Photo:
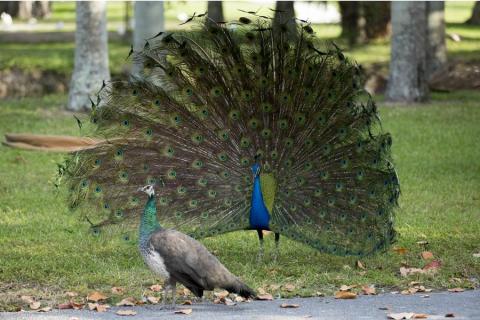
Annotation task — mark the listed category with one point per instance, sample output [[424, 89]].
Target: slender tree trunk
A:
[[436, 46], [215, 11], [352, 21], [91, 54], [408, 77], [377, 18], [475, 18], [41, 9], [284, 18], [149, 21], [25, 9]]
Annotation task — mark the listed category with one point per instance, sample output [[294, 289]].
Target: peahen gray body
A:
[[177, 257], [249, 130]]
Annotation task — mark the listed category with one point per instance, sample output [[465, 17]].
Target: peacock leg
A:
[[277, 250], [260, 250]]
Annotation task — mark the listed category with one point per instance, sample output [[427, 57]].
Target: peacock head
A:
[[256, 170], [148, 189]]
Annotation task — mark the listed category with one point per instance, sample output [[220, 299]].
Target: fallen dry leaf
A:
[[125, 313], [186, 292], [221, 294], [360, 265], [289, 287], [420, 316], [96, 296], [266, 296], [187, 303], [401, 316], [404, 271], [344, 287], [261, 291], [76, 305], [400, 250], [476, 255], [422, 243], [289, 305], [102, 307], [456, 290], [369, 290], [427, 255], [153, 300], [35, 305], [433, 266], [239, 299], [183, 311], [320, 294], [27, 299], [156, 287], [229, 302], [450, 315], [71, 294], [63, 306], [117, 290], [345, 295], [127, 302], [45, 309]]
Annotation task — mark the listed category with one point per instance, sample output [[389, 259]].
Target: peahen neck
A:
[[259, 215], [149, 222]]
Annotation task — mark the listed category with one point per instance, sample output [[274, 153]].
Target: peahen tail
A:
[[213, 101], [241, 289]]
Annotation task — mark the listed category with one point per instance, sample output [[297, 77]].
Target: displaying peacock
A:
[[246, 130]]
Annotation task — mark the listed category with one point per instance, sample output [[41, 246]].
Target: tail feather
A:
[[241, 289]]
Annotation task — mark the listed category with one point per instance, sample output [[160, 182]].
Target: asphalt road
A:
[[465, 305]]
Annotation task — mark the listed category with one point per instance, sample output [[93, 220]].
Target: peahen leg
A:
[[277, 250], [165, 293], [173, 287], [260, 249]]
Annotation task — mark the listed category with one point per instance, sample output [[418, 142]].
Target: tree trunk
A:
[[475, 18], [41, 9], [25, 10], [91, 54], [377, 19], [436, 46], [215, 11], [284, 19], [149, 21], [408, 78], [352, 21]]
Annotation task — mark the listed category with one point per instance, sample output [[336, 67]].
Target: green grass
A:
[[45, 250]]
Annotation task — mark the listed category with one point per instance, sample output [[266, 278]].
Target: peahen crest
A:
[[212, 102]]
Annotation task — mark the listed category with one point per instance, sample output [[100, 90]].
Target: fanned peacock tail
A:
[[207, 103]]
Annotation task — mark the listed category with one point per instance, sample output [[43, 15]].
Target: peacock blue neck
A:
[[149, 222], [259, 215]]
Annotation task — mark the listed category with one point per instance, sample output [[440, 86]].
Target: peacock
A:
[[247, 128], [179, 258]]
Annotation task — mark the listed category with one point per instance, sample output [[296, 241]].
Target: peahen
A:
[[177, 257], [250, 131]]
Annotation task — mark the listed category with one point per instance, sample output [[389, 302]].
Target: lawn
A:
[[45, 250]]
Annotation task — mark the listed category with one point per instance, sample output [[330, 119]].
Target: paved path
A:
[[465, 305]]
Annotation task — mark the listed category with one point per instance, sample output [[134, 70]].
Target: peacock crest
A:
[[216, 101]]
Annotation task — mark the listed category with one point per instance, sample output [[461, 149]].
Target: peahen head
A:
[[148, 189]]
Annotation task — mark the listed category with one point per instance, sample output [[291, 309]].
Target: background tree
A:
[[285, 15], [352, 22], [215, 11], [26, 9], [364, 21], [149, 21], [408, 78], [91, 54], [436, 46], [475, 18]]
